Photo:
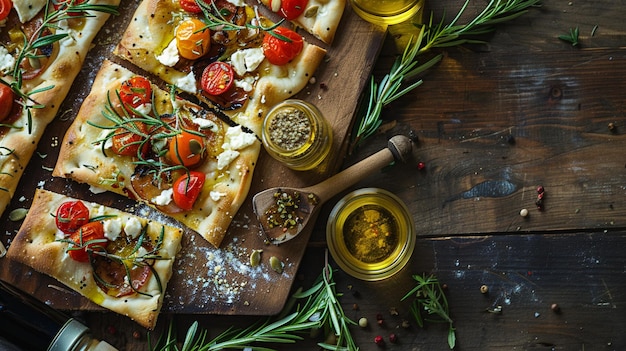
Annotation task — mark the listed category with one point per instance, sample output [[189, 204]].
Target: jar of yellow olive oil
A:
[[296, 133], [383, 12], [370, 234]]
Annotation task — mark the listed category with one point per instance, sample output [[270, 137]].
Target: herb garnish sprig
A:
[[405, 69], [571, 37], [430, 298], [320, 309]]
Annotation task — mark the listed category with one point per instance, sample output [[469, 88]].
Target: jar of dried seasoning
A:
[[296, 133]]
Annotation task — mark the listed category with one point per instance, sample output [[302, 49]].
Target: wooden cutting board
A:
[[205, 279]]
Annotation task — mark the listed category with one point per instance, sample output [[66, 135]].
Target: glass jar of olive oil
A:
[[370, 234], [295, 133], [384, 12]]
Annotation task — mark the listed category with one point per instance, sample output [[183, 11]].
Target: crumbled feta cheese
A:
[[225, 158], [246, 60], [237, 2], [26, 10], [7, 61], [144, 108], [204, 123], [246, 83], [169, 57], [112, 228], [238, 139], [216, 195], [187, 83], [164, 198], [133, 227]]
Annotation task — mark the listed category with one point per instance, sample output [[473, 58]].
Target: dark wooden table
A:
[[494, 122]]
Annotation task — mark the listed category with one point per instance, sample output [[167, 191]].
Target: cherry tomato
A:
[[192, 39], [89, 236], [6, 101], [279, 51], [291, 9], [136, 91], [71, 215], [217, 78], [186, 149], [190, 6], [5, 8], [187, 188], [62, 4], [127, 143]]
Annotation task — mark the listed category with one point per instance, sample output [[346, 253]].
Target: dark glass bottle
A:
[[31, 325]]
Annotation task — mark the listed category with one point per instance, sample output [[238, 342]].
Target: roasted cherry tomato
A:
[[89, 236], [190, 6], [187, 188], [290, 9], [62, 4], [186, 149], [135, 92], [6, 101], [127, 143], [193, 39], [217, 78], [279, 51], [71, 215], [5, 8]]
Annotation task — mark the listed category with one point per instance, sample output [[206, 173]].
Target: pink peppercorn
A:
[[379, 340], [421, 165]]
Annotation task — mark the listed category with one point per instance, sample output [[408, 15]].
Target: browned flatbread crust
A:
[[152, 29], [18, 144], [37, 245], [82, 160], [321, 18]]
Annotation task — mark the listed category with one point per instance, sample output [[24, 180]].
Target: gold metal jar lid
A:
[[370, 234], [296, 134]]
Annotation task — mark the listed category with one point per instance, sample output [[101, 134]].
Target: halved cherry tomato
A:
[[186, 149], [187, 188], [71, 215], [279, 51], [62, 4], [5, 8], [291, 9], [217, 78], [190, 6], [193, 39], [136, 91], [6, 101], [127, 143], [89, 236]]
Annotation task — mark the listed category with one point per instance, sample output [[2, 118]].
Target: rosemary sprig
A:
[[571, 37], [429, 297], [399, 80], [320, 309]]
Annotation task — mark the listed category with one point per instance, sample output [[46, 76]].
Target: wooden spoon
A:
[[297, 206]]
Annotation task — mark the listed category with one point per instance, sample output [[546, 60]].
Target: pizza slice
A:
[[228, 55], [137, 140], [42, 47], [117, 260], [321, 18]]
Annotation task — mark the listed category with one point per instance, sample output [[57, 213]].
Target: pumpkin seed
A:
[[255, 258], [18, 214], [311, 11], [276, 265]]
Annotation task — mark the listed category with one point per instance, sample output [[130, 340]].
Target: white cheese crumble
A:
[[96, 190], [247, 83], [144, 108], [247, 60], [26, 10], [204, 123], [132, 227], [225, 158], [238, 139], [237, 2], [7, 61], [169, 57], [187, 83], [112, 228], [216, 195], [164, 198]]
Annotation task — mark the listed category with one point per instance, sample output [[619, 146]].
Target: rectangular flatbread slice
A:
[[46, 86], [130, 249], [173, 139]]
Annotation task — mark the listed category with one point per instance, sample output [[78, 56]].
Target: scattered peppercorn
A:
[[355, 307], [484, 289], [421, 166], [136, 335], [379, 340], [612, 127], [555, 308], [413, 136], [393, 338], [363, 322], [540, 195], [380, 322], [523, 212]]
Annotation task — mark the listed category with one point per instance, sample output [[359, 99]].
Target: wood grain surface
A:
[[494, 122]]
